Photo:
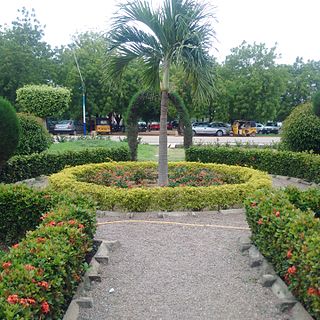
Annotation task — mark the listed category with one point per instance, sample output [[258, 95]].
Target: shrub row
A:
[[288, 235], [39, 275], [164, 198], [25, 167], [294, 164], [21, 209]]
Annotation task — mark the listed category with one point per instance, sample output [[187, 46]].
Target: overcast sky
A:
[[292, 24]]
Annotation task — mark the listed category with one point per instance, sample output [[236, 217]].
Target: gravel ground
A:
[[174, 271]]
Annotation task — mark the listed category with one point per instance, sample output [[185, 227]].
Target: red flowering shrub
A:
[[289, 238], [39, 276]]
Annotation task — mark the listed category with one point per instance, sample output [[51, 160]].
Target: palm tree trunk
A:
[[163, 139]]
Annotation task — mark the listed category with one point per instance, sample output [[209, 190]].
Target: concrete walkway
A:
[[180, 266]]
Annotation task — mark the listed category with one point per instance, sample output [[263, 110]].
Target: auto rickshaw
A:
[[244, 128], [102, 126]]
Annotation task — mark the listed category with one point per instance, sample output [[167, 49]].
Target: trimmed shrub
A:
[[34, 138], [40, 274], [290, 239], [294, 164], [43, 100], [301, 130], [21, 209], [162, 198], [9, 130], [25, 167], [316, 104]]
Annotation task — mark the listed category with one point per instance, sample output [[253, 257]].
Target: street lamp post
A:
[[83, 96]]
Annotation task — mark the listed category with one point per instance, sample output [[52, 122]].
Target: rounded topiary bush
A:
[[9, 130], [34, 137], [132, 186], [301, 130], [316, 104]]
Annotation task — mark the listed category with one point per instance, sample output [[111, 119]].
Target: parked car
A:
[[270, 127], [212, 128], [156, 126], [68, 127], [142, 126], [259, 127], [51, 124]]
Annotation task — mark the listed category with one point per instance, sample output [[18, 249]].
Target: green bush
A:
[[34, 138], [9, 130], [21, 209], [294, 164], [316, 104], [25, 167], [301, 130], [161, 198], [43, 101], [39, 275], [290, 239]]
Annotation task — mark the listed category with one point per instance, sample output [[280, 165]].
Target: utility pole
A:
[[83, 95]]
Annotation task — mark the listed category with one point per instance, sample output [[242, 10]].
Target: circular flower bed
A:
[[133, 186]]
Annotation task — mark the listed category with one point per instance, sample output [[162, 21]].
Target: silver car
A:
[[68, 127], [213, 128]]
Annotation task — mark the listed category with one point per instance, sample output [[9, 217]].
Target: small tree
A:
[[9, 130], [43, 100]]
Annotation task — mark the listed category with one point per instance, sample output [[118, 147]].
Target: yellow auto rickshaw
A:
[[244, 128], [102, 126]]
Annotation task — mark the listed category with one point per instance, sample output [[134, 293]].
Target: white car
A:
[[259, 127], [213, 128]]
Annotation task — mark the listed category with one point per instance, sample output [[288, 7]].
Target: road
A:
[[178, 140]]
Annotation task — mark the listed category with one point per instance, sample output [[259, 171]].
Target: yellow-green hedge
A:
[[163, 198]]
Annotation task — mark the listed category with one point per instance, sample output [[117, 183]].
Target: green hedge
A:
[[39, 275], [25, 167], [287, 233], [294, 164], [161, 198], [21, 209]]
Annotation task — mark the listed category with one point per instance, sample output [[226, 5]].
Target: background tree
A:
[[9, 130], [250, 84], [25, 57], [179, 32], [302, 81]]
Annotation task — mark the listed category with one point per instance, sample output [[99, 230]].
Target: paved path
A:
[[182, 266]]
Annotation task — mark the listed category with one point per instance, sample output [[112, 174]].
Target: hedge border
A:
[[301, 165], [162, 198], [25, 167], [290, 239], [39, 275]]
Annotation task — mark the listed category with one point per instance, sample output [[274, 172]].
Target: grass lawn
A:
[[145, 151]]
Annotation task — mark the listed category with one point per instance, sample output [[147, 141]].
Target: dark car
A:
[[68, 127], [142, 126]]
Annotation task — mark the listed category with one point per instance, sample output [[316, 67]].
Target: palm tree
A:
[[179, 32]]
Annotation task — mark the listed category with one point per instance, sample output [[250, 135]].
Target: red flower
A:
[[278, 214], [260, 221], [289, 254], [60, 223], [23, 301], [15, 246], [253, 204], [292, 270], [31, 301], [80, 226], [45, 308], [43, 284], [44, 216], [52, 223], [72, 222], [312, 291], [29, 267], [40, 240], [12, 299], [6, 265]]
